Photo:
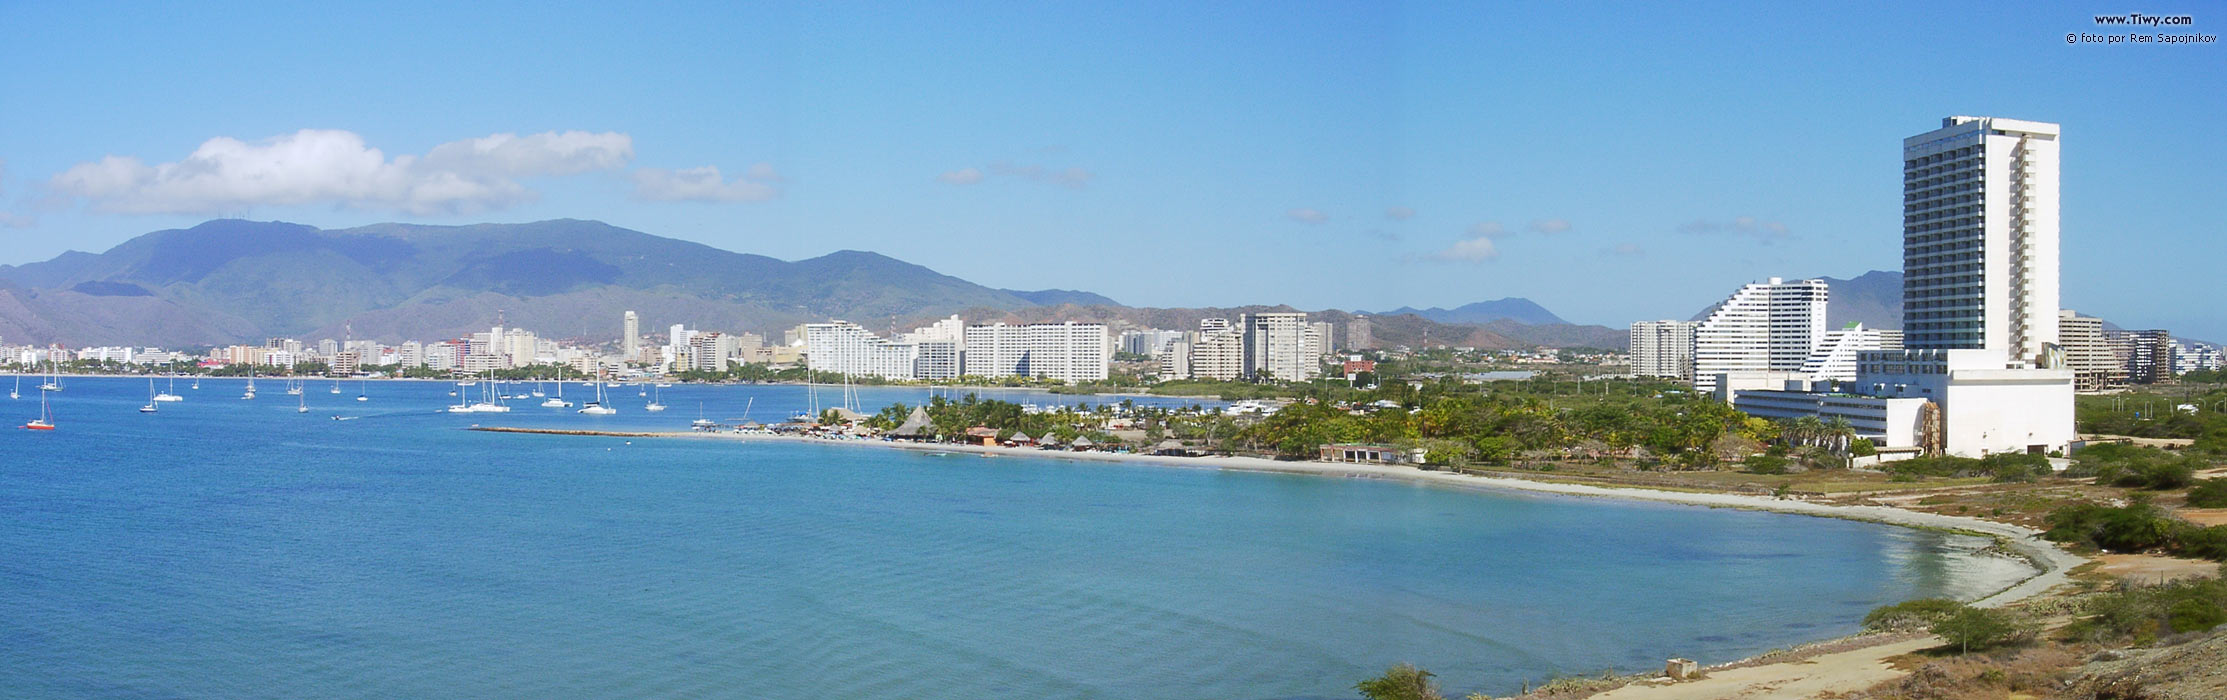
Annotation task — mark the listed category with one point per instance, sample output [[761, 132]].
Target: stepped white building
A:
[[1770, 326], [848, 348], [1835, 359]]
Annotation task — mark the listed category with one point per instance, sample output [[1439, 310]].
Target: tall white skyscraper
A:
[[1663, 349], [1979, 237], [1070, 352], [1276, 344], [1765, 327], [632, 340]]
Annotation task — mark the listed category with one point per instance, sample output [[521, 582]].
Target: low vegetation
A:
[[2138, 526], [1400, 682], [2143, 614], [1963, 627]]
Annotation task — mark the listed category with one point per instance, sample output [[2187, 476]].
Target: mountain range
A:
[[232, 281]]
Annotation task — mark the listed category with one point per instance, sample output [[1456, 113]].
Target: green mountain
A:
[[240, 281], [231, 281]]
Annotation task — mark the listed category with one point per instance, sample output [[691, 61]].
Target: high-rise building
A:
[[631, 339], [1979, 237], [843, 347], [1276, 346], [1770, 326], [1663, 349], [2147, 355], [2093, 367], [1325, 338], [1069, 352], [1357, 335], [1149, 343]]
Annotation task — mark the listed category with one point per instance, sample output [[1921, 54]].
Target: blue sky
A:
[[1612, 163]]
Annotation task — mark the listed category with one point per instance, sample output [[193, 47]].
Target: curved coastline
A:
[[2050, 562]]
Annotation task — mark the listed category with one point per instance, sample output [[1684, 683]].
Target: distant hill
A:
[[239, 281], [1511, 309], [1873, 298], [231, 281]]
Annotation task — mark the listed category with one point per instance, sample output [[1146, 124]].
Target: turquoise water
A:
[[225, 548]]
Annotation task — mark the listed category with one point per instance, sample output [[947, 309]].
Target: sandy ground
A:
[[2151, 568], [1839, 672], [2204, 516]]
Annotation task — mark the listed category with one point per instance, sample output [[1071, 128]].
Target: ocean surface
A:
[[224, 548]]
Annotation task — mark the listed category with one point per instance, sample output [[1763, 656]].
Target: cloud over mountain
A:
[[705, 184], [328, 166]]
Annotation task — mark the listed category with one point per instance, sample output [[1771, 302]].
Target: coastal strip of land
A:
[[2051, 562]]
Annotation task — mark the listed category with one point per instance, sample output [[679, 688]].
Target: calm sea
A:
[[224, 548]]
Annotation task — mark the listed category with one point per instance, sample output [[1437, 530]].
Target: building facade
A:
[[843, 347], [1769, 326], [1278, 345], [1979, 227], [2094, 368], [1069, 352], [1662, 349]]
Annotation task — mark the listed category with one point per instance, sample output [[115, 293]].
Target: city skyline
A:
[[1435, 166]]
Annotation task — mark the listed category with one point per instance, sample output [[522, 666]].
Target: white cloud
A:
[[1307, 216], [1471, 250], [323, 166], [962, 176], [9, 219], [1739, 226], [1550, 226], [1627, 250], [1068, 177], [1487, 229], [704, 184]]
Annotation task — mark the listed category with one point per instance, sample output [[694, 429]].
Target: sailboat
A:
[[490, 401], [600, 406], [363, 387], [655, 403], [170, 394], [301, 403], [150, 407], [293, 385], [53, 375], [250, 386], [558, 400], [197, 382], [538, 383], [702, 423], [463, 399], [45, 420], [336, 385], [17, 393]]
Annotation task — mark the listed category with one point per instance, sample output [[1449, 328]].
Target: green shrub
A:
[[1972, 628], [1400, 682], [1766, 464], [1862, 447], [2212, 493], [2135, 527], [1910, 614], [2144, 613]]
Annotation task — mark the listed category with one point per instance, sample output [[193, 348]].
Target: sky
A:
[[1610, 162]]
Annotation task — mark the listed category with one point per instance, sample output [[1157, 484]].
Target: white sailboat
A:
[[656, 403], [363, 386], [45, 421], [170, 394], [17, 393], [336, 385], [150, 407], [53, 375], [558, 400], [301, 403], [250, 386], [490, 401], [463, 400], [702, 423], [293, 385], [599, 407]]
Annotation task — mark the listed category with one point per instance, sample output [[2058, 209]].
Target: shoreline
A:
[[2050, 563]]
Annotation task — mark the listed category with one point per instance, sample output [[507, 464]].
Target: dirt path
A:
[[1839, 672], [2151, 568]]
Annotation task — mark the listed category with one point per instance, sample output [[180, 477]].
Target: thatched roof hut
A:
[[916, 426]]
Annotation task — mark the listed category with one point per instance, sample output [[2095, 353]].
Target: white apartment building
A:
[[1070, 352], [1770, 326], [1980, 318], [1979, 227], [1150, 343], [1324, 338], [949, 330], [1836, 357], [2094, 368], [1663, 349], [843, 347], [938, 359], [1280, 346]]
